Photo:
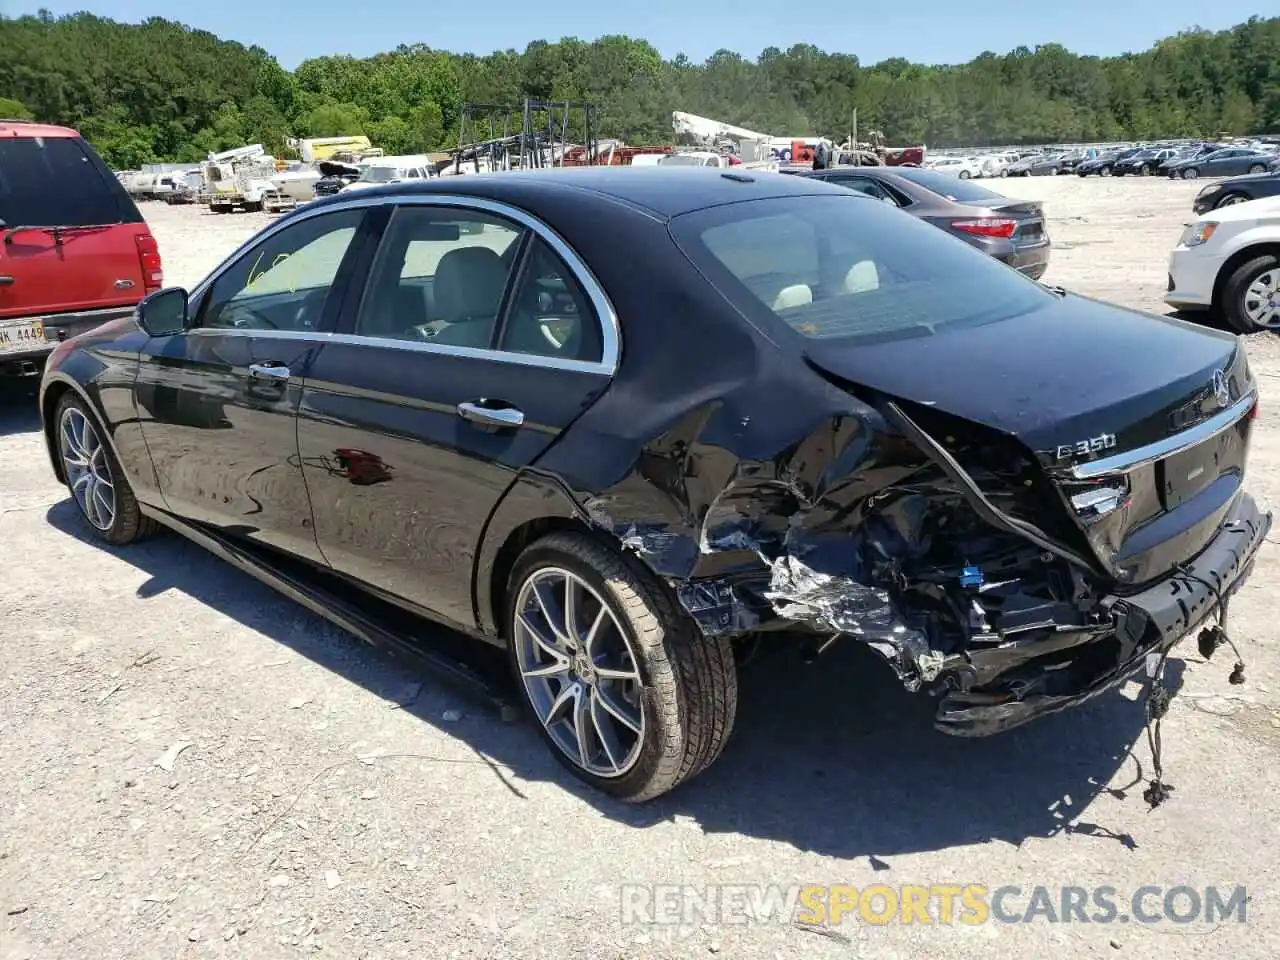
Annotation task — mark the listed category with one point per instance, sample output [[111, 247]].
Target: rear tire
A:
[[1104, 172], [1190, 173], [1235, 296], [679, 687], [1257, 168], [964, 174], [94, 479]]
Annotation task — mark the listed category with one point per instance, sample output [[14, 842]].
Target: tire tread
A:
[[693, 677]]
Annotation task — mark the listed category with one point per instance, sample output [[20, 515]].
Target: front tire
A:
[[1230, 200], [1257, 168], [629, 694], [1191, 173], [94, 478], [1251, 296]]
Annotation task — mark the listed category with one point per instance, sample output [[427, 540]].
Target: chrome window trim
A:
[[1185, 440], [414, 346], [606, 316]]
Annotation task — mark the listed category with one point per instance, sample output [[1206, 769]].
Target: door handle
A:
[[269, 371], [490, 416], [6, 280]]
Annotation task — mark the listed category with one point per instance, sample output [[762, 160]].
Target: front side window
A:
[[440, 277], [283, 282], [831, 266]]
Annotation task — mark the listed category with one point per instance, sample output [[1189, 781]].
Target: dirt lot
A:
[[326, 800]]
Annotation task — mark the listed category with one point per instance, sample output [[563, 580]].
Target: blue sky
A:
[[929, 31]]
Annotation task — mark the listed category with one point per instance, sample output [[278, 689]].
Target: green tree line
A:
[[159, 90]]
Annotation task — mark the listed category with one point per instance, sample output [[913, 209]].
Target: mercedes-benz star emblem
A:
[[1221, 392]]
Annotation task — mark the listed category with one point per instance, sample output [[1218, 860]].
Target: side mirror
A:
[[163, 313]]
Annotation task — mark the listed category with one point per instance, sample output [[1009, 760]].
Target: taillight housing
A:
[[149, 257], [1001, 227]]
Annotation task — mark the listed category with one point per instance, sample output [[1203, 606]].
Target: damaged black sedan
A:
[[621, 423]]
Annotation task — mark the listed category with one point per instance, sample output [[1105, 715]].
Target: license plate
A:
[[15, 337]]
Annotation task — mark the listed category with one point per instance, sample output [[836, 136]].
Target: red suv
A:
[[74, 250]]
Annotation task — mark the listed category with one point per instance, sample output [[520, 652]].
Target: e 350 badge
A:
[[1082, 448]]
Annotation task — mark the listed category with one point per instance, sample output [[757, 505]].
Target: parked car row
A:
[[1186, 161]]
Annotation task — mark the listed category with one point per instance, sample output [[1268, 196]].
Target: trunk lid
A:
[[1139, 422]]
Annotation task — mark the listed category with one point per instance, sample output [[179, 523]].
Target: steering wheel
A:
[[245, 318], [310, 310]]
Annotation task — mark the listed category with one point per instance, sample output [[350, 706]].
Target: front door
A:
[[475, 345], [218, 403]]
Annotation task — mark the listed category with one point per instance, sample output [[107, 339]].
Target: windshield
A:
[[842, 267], [962, 191], [680, 160], [378, 174]]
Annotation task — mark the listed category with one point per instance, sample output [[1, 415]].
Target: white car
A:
[[1226, 262], [962, 167], [383, 170]]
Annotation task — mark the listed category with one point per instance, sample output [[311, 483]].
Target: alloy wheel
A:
[[84, 460], [579, 672], [1232, 199], [1262, 300]]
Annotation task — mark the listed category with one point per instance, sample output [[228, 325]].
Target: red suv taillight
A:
[[149, 257], [987, 226]]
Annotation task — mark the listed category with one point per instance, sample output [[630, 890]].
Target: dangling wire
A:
[[1210, 639]]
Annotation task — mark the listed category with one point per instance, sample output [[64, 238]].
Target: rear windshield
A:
[[58, 182], [842, 266], [949, 186]]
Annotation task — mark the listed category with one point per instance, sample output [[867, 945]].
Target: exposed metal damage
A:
[[959, 565]]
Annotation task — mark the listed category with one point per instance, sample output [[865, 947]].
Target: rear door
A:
[[480, 338], [86, 256]]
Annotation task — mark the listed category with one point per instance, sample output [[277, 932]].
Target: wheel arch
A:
[[55, 389], [1243, 255], [534, 507]]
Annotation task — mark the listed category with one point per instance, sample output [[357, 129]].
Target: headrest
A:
[[469, 284]]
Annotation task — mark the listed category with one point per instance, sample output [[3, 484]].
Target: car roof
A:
[[661, 191], [28, 128]]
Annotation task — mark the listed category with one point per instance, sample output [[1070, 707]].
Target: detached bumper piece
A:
[[1018, 684]]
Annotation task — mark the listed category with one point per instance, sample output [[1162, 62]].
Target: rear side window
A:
[[58, 182], [949, 186], [845, 267]]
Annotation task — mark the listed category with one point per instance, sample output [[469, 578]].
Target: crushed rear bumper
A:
[[1037, 681]]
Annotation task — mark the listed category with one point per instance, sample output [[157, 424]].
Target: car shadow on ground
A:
[[834, 758], [18, 410]]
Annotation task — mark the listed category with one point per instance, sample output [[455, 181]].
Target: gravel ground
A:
[[196, 767]]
